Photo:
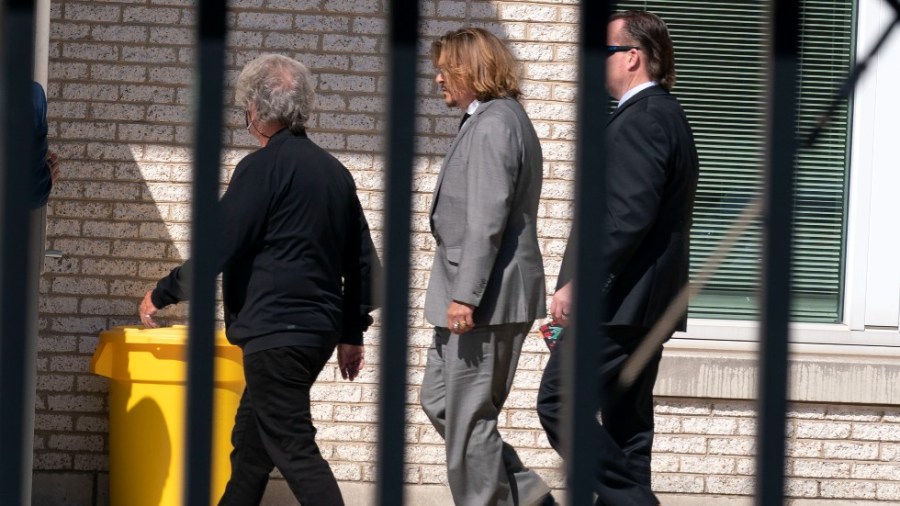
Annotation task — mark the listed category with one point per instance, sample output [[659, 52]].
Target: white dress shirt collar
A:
[[470, 110], [634, 91], [473, 106]]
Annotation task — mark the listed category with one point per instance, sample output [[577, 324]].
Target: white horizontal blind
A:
[[720, 52]]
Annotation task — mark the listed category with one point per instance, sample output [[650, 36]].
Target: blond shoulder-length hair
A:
[[475, 59]]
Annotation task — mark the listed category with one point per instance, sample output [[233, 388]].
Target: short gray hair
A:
[[281, 89]]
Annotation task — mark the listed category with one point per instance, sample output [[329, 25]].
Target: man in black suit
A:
[[652, 171]]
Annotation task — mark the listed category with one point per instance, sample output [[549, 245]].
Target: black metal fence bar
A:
[[581, 352], [204, 233], [404, 23], [16, 329], [781, 149]]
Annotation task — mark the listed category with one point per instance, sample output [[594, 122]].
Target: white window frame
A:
[[873, 245]]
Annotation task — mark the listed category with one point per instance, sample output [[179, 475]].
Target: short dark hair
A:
[[650, 33]]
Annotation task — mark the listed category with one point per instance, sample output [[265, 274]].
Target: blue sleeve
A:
[[41, 183]]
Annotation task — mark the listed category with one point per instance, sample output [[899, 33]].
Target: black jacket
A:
[[652, 170], [295, 252]]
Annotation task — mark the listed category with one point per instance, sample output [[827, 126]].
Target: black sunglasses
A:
[[619, 49]]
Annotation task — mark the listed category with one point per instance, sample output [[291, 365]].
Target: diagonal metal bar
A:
[[850, 82], [404, 24], [661, 330], [16, 327], [781, 151], [205, 213], [582, 349]]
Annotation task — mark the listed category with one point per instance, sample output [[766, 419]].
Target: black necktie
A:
[[463, 121]]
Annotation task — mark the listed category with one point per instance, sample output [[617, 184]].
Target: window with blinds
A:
[[720, 51]]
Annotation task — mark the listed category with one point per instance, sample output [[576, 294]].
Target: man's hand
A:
[[147, 310], [351, 359], [53, 164], [459, 317], [561, 305]]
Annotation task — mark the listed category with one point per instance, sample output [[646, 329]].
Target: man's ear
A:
[[635, 57]]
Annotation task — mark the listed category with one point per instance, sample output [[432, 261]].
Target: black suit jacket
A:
[[652, 171]]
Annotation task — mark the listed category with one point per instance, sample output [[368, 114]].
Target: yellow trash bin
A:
[[147, 391]]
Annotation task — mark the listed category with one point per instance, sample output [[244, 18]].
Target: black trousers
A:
[[273, 428], [626, 436]]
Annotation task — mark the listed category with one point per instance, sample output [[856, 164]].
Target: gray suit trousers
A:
[[467, 380]]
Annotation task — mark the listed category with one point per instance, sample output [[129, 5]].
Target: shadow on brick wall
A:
[[120, 216], [120, 115]]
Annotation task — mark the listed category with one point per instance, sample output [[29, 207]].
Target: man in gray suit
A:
[[487, 282]]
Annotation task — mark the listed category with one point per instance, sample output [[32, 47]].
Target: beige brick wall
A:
[[834, 452], [121, 119]]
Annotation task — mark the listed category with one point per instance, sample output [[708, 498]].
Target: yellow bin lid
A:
[[139, 354]]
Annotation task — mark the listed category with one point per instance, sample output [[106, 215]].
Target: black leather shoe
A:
[[549, 500]]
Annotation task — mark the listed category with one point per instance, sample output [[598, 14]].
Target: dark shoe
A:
[[549, 500]]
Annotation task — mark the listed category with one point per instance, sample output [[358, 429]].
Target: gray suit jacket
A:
[[483, 217]]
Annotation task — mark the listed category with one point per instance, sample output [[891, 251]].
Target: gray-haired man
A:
[[296, 257]]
